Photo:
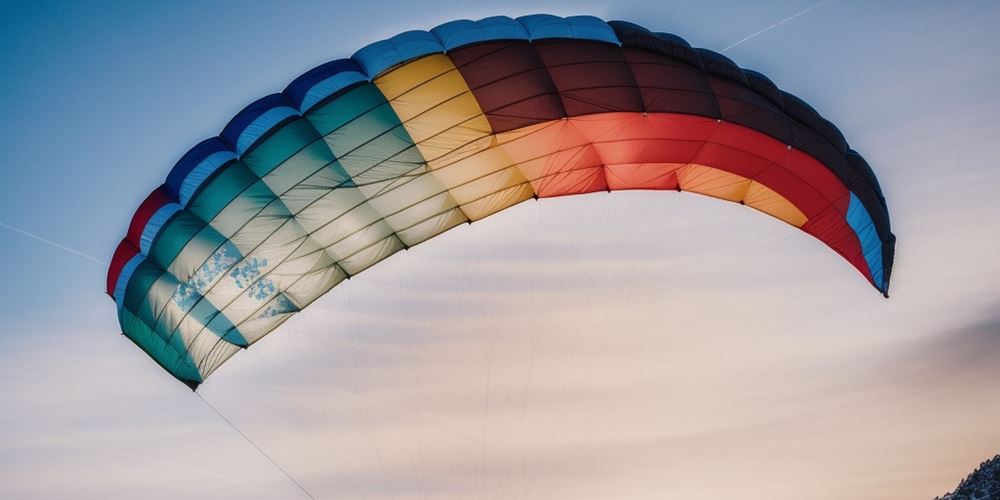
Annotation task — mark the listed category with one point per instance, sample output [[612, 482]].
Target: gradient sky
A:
[[565, 348]]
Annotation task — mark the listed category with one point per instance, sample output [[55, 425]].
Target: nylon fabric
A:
[[361, 158]]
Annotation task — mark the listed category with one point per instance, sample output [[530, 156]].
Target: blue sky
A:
[[634, 367]]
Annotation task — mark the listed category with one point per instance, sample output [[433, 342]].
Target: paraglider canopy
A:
[[362, 157]]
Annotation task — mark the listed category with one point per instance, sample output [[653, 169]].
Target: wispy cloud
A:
[[53, 244], [775, 25]]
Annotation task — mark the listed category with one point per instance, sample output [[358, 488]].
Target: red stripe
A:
[[602, 151], [123, 254], [158, 198], [129, 246]]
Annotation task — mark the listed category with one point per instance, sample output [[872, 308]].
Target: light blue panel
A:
[[329, 86], [414, 44], [503, 28], [262, 124], [455, 34], [541, 26], [123, 278], [380, 56], [871, 246], [154, 224], [592, 28], [204, 169], [545, 26]]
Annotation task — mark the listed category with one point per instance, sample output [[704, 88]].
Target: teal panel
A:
[[345, 108], [196, 253], [157, 298], [177, 363], [280, 146], [174, 237], [300, 166], [221, 327], [221, 190], [138, 285]]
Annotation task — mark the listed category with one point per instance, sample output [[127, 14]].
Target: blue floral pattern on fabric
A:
[[281, 305], [188, 293], [262, 289], [246, 274]]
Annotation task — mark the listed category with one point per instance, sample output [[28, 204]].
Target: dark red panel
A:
[[592, 77], [742, 105], [519, 84], [668, 85], [808, 140], [510, 82]]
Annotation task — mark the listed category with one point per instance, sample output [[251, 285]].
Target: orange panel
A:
[[661, 176]]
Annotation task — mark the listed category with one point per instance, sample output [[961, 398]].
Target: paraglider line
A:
[[258, 448], [775, 25], [54, 244]]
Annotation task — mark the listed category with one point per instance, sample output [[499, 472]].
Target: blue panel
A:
[[541, 26], [380, 56], [457, 33], [123, 278], [342, 74], [413, 44], [250, 118], [330, 86], [261, 125], [545, 26], [503, 28], [154, 224], [202, 171], [190, 160], [871, 246], [464, 32], [321, 82], [592, 28]]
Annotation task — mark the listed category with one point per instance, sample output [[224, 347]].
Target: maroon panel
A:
[[668, 85], [739, 104], [159, 197], [592, 77], [808, 140], [510, 82]]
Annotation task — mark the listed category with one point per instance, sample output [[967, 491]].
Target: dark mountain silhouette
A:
[[982, 484]]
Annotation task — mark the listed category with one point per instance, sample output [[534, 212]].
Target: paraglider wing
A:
[[362, 157]]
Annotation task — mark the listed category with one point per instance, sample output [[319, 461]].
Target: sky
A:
[[565, 348]]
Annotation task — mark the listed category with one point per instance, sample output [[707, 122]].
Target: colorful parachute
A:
[[362, 157]]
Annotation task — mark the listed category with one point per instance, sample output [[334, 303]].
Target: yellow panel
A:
[[436, 106], [727, 186], [497, 201], [451, 132], [712, 182], [486, 182], [766, 200], [411, 75]]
